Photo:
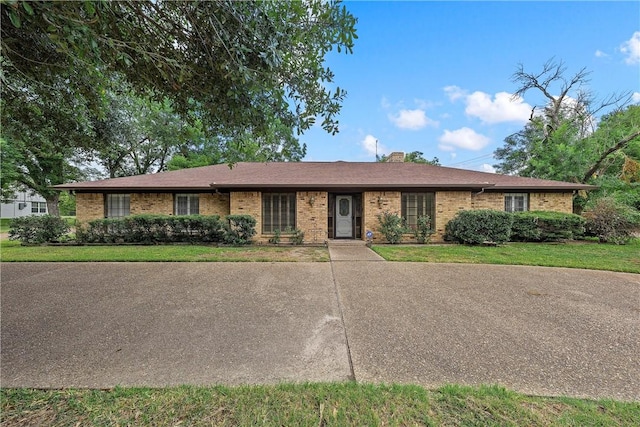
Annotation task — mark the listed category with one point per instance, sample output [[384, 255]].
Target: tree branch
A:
[[621, 144]]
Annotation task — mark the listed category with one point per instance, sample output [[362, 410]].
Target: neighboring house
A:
[[326, 200], [24, 203]]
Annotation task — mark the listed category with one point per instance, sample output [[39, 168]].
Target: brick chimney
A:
[[396, 157]]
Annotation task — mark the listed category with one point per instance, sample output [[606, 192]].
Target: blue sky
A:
[[436, 76]]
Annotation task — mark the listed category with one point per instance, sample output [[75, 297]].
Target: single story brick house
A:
[[326, 200]]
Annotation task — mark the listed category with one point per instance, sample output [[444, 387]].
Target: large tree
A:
[[136, 135], [279, 145], [46, 133], [565, 138], [240, 63]]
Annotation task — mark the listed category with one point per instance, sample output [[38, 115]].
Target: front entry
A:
[[344, 216]]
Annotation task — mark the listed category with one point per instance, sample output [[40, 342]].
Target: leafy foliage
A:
[[37, 229], [479, 226], [611, 221], [391, 226], [277, 235], [297, 236], [153, 229], [566, 139], [546, 226], [239, 229], [240, 63], [424, 229]]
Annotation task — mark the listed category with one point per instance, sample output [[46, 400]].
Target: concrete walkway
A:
[[536, 330], [351, 250]]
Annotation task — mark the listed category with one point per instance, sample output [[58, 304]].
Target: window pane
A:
[[414, 205], [516, 202], [117, 205], [278, 211], [194, 205], [187, 204]]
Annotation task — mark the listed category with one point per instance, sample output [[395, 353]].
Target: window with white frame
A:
[[38, 207], [516, 202], [186, 204], [278, 212], [414, 205], [117, 205]]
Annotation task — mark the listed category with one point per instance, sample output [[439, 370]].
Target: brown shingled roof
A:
[[319, 175]]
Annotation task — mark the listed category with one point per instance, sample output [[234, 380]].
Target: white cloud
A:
[[369, 144], [601, 54], [503, 107], [384, 103], [635, 97], [486, 167], [454, 93], [631, 48], [462, 138], [412, 119]]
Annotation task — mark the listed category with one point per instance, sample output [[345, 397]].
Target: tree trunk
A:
[[52, 204]]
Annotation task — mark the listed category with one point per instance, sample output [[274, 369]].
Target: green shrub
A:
[[297, 237], [479, 226], [153, 229], [546, 226], [36, 229], [391, 226], [611, 221], [424, 229], [275, 239], [239, 229]]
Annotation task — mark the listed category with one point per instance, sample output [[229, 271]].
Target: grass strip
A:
[[589, 255], [318, 404], [12, 251]]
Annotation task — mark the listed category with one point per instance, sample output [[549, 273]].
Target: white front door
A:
[[344, 216]]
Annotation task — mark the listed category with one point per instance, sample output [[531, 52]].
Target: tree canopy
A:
[[240, 64], [241, 77], [568, 138]]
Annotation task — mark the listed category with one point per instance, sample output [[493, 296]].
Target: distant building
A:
[[24, 203]]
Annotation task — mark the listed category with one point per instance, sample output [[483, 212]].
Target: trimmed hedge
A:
[[36, 229], [546, 226], [154, 229], [479, 226]]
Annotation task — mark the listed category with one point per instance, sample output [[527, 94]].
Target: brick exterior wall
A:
[[151, 203], [311, 219], [89, 206], [485, 200], [558, 202], [248, 203], [448, 204], [214, 204], [373, 204]]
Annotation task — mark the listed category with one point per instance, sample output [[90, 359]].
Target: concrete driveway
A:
[[536, 330]]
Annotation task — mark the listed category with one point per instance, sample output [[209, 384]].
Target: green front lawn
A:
[[589, 255], [12, 251], [337, 404], [4, 225]]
